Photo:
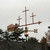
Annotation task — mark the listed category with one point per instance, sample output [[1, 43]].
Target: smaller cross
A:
[[19, 19], [32, 17]]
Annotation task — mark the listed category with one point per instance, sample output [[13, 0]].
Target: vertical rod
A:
[[26, 39], [32, 18], [19, 20], [25, 17]]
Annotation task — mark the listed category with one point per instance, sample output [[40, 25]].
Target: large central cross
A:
[[25, 16], [32, 17], [19, 19]]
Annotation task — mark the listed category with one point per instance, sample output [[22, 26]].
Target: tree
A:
[[31, 39], [17, 32], [43, 40], [1, 31], [6, 35]]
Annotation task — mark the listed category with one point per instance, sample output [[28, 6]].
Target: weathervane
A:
[[9, 28], [26, 28]]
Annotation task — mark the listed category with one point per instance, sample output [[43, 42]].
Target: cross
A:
[[32, 17], [25, 16], [19, 19]]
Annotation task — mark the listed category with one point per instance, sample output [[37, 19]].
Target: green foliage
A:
[[9, 44], [1, 31], [17, 32], [31, 39], [43, 38], [6, 35]]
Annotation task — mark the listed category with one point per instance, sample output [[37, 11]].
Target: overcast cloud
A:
[[11, 9]]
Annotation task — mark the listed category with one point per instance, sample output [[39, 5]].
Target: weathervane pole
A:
[[25, 16]]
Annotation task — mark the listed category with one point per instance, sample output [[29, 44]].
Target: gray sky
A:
[[11, 9]]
